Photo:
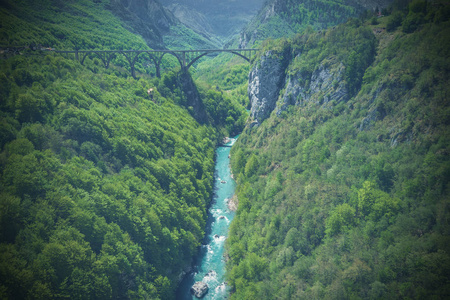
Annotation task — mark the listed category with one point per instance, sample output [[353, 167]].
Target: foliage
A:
[[330, 209], [181, 37], [85, 25], [288, 17], [103, 189], [222, 82]]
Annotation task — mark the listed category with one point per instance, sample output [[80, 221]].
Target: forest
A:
[[350, 199], [104, 189]]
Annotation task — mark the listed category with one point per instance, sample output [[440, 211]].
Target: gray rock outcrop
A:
[[264, 84], [325, 84], [199, 289], [374, 115]]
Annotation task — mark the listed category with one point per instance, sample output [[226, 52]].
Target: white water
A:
[[210, 263]]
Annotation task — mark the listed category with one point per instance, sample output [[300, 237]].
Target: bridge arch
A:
[[186, 58]]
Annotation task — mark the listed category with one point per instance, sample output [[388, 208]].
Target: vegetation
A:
[[227, 82], [288, 17], [189, 40], [103, 187], [335, 203]]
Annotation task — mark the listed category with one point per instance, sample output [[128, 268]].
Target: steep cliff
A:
[[324, 85], [265, 80], [276, 81]]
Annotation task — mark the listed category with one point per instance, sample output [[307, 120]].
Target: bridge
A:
[[186, 58]]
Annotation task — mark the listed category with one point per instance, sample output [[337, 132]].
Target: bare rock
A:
[[199, 289], [264, 86]]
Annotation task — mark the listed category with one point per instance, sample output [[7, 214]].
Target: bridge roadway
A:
[[186, 58]]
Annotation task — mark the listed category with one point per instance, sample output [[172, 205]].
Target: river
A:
[[209, 264]]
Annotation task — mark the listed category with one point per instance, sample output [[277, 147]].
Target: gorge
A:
[[108, 182], [209, 264]]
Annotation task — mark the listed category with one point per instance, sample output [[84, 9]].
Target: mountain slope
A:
[[343, 186], [103, 187], [224, 18], [283, 18], [158, 26], [147, 18]]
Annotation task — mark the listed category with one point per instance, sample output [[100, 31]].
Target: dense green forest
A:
[[350, 199], [103, 189]]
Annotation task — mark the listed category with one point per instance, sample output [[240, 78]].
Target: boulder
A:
[[199, 289]]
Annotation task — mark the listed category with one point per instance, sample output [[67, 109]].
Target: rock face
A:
[[326, 84], [199, 289], [373, 116], [264, 84]]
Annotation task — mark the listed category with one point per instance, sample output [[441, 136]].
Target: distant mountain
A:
[[223, 18], [158, 25], [147, 18], [194, 20]]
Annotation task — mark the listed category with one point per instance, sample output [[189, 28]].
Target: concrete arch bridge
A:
[[186, 58]]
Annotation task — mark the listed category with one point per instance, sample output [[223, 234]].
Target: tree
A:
[[342, 217], [251, 166], [374, 203]]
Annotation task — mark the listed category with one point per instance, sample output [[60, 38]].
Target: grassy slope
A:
[[327, 210]]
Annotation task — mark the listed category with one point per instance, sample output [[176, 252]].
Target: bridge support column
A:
[[158, 71], [132, 61]]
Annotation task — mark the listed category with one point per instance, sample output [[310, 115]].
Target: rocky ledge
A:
[[199, 289]]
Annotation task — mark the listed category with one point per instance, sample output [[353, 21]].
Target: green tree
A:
[[251, 166], [340, 219]]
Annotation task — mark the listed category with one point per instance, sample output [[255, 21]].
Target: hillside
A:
[[284, 18], [343, 173], [342, 169], [103, 188]]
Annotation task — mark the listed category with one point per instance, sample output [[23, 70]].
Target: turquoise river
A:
[[209, 265]]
